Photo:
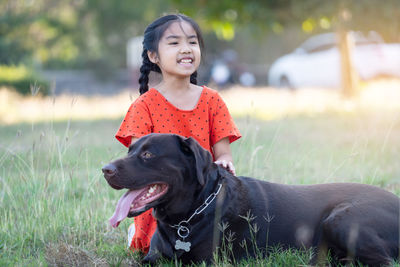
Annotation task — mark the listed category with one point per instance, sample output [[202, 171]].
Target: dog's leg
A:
[[324, 251], [348, 231], [158, 244], [152, 257]]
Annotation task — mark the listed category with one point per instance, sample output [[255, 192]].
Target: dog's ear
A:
[[201, 156]]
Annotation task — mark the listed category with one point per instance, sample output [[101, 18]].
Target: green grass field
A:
[[55, 203]]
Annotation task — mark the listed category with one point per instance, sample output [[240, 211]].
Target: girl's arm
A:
[[223, 154]]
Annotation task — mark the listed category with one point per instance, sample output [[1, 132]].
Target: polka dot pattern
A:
[[145, 226], [208, 123]]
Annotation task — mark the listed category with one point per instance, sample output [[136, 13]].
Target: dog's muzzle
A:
[[109, 170]]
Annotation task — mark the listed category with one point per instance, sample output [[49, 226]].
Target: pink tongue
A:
[[123, 206]]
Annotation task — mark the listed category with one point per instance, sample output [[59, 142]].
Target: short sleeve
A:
[[137, 123], [222, 123]]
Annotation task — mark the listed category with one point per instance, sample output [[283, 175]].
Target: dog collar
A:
[[182, 227]]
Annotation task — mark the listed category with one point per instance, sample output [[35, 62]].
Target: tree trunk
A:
[[349, 75]]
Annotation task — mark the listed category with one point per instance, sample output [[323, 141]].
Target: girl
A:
[[172, 46]]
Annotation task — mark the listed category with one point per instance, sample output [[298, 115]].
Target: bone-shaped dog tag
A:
[[182, 245]]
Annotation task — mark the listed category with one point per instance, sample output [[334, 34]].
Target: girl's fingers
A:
[[231, 168], [222, 163], [227, 165]]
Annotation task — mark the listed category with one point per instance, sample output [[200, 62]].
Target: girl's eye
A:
[[173, 43], [146, 155], [193, 42]]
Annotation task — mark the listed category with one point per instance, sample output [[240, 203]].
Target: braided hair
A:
[[152, 36], [145, 69]]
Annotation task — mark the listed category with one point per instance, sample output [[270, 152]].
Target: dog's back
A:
[[348, 218]]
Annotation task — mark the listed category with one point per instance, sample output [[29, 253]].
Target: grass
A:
[[55, 204]]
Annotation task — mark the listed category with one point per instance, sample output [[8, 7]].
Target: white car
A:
[[316, 63]]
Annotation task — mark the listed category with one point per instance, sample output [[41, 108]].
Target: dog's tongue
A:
[[123, 206]]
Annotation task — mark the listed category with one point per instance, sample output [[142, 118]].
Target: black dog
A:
[[197, 203]]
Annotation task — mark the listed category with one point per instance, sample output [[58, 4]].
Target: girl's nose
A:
[[185, 48]]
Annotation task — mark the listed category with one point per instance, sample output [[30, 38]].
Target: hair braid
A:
[[145, 69], [193, 78]]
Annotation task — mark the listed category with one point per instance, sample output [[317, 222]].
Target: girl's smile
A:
[[186, 61]]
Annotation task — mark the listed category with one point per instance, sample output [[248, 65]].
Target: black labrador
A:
[[200, 208]]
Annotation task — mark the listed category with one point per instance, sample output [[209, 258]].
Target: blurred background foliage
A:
[[92, 34], [24, 79]]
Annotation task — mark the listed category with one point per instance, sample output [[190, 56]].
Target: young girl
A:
[[172, 46]]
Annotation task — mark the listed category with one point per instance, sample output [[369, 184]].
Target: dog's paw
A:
[[151, 258]]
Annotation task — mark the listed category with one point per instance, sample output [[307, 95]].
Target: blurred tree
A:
[[224, 17], [108, 25], [365, 15], [72, 34], [36, 32], [93, 33]]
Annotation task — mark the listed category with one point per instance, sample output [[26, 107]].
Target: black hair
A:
[[152, 36]]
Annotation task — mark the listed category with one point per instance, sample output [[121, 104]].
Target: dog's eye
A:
[[146, 155]]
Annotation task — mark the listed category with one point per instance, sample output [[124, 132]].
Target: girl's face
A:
[[178, 50]]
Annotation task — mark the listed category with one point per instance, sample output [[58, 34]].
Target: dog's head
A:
[[157, 169]]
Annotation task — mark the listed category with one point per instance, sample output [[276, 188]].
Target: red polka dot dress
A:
[[208, 123]]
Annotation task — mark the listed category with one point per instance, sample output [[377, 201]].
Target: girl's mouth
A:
[[185, 61]]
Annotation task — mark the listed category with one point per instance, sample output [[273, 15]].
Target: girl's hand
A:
[[223, 155], [227, 165]]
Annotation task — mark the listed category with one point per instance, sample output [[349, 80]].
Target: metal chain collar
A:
[[183, 227]]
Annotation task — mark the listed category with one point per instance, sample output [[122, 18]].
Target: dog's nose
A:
[[109, 169]]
